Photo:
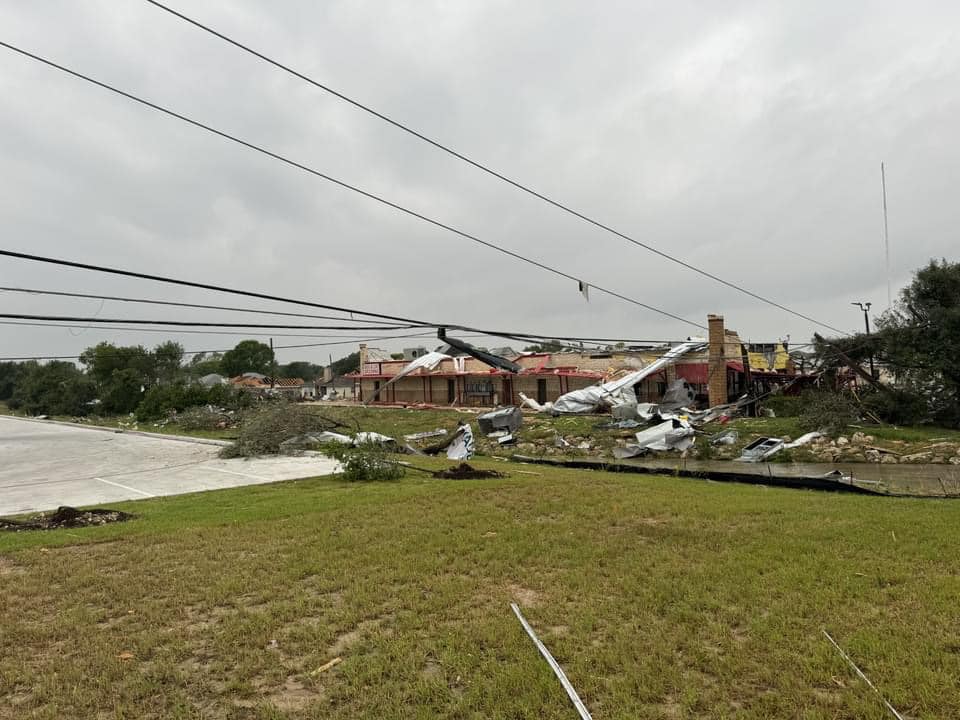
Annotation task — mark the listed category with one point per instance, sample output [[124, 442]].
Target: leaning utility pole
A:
[[866, 322]]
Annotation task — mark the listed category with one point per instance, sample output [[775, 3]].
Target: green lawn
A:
[[661, 597]]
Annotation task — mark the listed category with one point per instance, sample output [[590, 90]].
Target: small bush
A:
[[828, 412], [898, 407], [366, 462]]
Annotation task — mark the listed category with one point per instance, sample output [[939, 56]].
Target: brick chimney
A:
[[717, 366], [363, 356]]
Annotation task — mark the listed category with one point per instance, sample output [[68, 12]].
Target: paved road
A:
[[46, 465]]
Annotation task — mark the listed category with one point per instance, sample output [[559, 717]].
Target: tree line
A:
[[117, 379]]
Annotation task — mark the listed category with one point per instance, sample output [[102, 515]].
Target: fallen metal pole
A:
[[554, 665], [863, 677]]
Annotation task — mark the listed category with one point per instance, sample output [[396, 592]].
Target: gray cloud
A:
[[745, 139]]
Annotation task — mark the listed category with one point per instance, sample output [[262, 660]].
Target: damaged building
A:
[[712, 376]]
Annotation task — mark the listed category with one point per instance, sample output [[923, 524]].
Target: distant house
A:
[[263, 385], [340, 386]]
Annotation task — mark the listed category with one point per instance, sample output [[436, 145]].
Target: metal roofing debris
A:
[[761, 449], [804, 439], [506, 418], [612, 393], [428, 362], [669, 435]]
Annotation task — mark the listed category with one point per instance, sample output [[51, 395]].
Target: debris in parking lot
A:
[[65, 517]]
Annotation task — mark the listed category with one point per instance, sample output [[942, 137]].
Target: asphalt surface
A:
[[45, 465]]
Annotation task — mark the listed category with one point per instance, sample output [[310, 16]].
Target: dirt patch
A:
[[292, 696], [8, 567], [464, 471], [524, 597], [66, 517]]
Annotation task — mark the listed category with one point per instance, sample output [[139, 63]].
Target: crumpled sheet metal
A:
[[592, 398], [668, 435]]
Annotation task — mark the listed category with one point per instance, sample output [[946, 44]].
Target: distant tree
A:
[[397, 356], [204, 364], [123, 392], [247, 356], [55, 388], [921, 339], [168, 358], [9, 373], [345, 365], [300, 369], [547, 347], [104, 359]]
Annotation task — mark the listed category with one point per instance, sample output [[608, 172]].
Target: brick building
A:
[[466, 381]]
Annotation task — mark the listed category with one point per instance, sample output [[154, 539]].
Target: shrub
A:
[[366, 462], [828, 412]]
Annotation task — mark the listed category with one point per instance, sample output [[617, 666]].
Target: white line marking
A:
[[115, 484], [232, 472]]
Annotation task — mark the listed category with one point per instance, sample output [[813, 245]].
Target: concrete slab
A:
[[45, 465]]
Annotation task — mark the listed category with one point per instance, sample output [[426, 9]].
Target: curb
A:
[[121, 431]]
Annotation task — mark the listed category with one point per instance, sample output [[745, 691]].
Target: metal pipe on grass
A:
[[554, 665], [862, 676]]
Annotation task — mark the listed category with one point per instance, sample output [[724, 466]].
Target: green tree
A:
[[247, 356], [205, 364], [9, 374], [921, 339], [55, 388], [345, 365], [167, 359], [123, 392], [300, 369], [102, 360]]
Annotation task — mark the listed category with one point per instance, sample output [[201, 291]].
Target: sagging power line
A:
[[487, 169], [347, 186]]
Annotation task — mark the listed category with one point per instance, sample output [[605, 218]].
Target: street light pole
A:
[[866, 322]]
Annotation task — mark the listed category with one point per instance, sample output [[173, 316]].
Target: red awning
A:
[[694, 373]]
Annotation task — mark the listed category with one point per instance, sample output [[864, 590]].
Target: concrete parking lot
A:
[[45, 465]]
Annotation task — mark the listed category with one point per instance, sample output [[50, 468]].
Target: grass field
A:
[[662, 598]]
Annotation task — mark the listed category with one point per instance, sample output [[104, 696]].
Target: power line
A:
[[193, 323], [347, 186], [35, 291], [208, 332], [277, 298], [484, 168]]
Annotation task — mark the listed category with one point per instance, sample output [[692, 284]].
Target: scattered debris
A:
[[464, 471], [617, 425], [761, 449], [610, 394], [461, 446], [862, 676], [725, 437], [554, 665], [326, 666], [66, 517], [426, 434], [669, 435], [803, 440], [507, 418]]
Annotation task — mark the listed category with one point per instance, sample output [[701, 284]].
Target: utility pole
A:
[[273, 366], [866, 322]]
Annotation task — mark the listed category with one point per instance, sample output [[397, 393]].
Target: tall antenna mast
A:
[[886, 234]]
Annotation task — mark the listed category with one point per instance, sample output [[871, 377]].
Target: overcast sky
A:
[[742, 137]]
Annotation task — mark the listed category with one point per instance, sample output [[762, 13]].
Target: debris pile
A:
[[464, 471], [65, 517]]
